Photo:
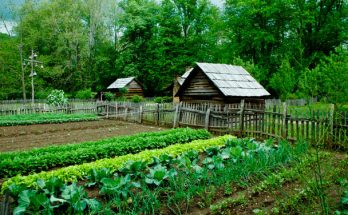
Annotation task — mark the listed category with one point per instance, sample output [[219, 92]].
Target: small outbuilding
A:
[[219, 83], [133, 87]]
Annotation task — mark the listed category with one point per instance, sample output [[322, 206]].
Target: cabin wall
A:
[[133, 89], [200, 85]]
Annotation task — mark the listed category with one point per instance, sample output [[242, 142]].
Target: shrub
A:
[[123, 91], [57, 98], [109, 96], [158, 99], [137, 99], [163, 99], [85, 94]]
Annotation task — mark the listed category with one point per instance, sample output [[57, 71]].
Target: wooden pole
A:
[[285, 121], [176, 116], [331, 123], [141, 114], [241, 117], [126, 113], [107, 110], [157, 114], [207, 117]]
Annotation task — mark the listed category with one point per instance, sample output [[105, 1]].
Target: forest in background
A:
[[294, 48]]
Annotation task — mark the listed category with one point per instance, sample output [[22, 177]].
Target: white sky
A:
[[9, 25]]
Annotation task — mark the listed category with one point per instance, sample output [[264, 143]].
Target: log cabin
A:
[[219, 83], [133, 87]]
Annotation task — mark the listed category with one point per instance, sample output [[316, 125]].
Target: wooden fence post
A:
[[141, 114], [285, 121], [107, 110], [157, 114], [241, 117], [125, 113], [331, 123], [176, 116], [207, 117]]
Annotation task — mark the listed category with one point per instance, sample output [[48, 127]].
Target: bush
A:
[[158, 100], [163, 99], [167, 99], [137, 99], [123, 91], [57, 98], [109, 96], [85, 94]]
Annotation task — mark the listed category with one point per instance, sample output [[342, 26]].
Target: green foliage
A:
[[96, 175], [284, 80], [343, 204], [159, 174], [137, 99], [279, 42], [10, 72], [120, 186], [226, 203], [109, 96], [176, 176], [72, 198], [72, 173], [30, 119], [14, 163], [329, 78], [85, 94], [123, 91], [57, 98], [164, 99]]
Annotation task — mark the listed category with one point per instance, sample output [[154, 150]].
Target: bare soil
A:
[[30, 136]]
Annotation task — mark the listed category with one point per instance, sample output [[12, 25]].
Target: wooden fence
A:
[[244, 119], [329, 127]]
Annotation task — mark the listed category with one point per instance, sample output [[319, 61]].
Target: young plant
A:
[[76, 198], [158, 175], [120, 186], [32, 202], [215, 162], [96, 175], [135, 169]]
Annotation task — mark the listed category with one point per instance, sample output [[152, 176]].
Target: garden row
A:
[[35, 160], [174, 179], [47, 118]]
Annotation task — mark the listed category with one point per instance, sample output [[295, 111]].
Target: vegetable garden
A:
[[178, 171], [47, 118]]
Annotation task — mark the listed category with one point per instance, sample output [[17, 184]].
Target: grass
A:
[[43, 118]]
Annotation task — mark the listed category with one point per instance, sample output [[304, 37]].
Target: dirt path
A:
[[26, 137]]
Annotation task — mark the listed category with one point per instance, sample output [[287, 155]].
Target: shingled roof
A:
[[120, 83], [230, 80]]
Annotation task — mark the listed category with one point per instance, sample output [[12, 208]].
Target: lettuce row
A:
[[37, 160], [74, 173]]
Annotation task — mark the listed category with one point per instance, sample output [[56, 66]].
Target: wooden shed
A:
[[133, 87], [219, 83]]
